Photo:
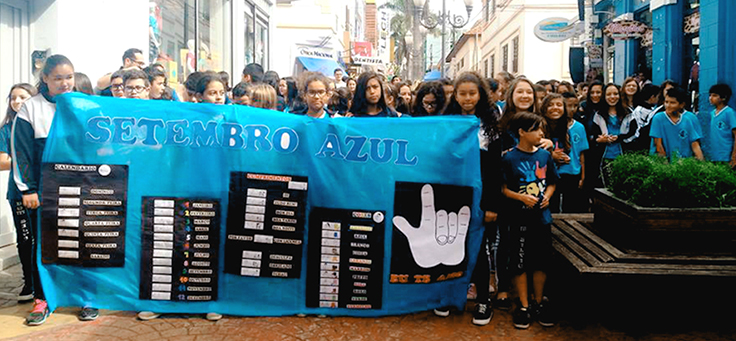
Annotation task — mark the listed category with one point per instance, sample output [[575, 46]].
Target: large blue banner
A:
[[194, 208]]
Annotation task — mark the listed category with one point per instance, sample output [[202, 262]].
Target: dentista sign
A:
[[555, 30]]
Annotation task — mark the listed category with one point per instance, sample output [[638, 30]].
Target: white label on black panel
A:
[[252, 254], [252, 225], [68, 212], [254, 217], [68, 223], [163, 296], [327, 304], [254, 192], [330, 266], [255, 209], [260, 238], [298, 185], [68, 233], [163, 228], [160, 287], [330, 242], [71, 244], [163, 236], [68, 254], [166, 270], [163, 211], [328, 289], [250, 272], [162, 261], [255, 201], [329, 281], [161, 278], [326, 225], [329, 274], [331, 259], [163, 203], [163, 245], [331, 234], [162, 253], [285, 203], [64, 190], [251, 263], [163, 220], [328, 297], [69, 202], [326, 250]]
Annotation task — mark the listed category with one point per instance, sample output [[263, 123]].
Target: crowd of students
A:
[[544, 146]]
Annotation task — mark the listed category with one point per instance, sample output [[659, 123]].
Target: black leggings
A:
[[25, 222], [482, 272]]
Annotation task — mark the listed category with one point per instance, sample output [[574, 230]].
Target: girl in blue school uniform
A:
[[676, 132], [722, 126], [610, 131], [570, 142]]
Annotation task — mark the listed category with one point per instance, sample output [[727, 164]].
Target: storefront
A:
[[689, 42], [227, 35]]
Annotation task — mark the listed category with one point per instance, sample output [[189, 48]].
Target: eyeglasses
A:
[[316, 93], [117, 86], [137, 88], [429, 104]]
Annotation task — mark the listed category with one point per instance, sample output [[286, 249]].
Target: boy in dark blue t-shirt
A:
[[529, 181]]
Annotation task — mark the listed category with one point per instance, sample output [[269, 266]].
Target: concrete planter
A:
[[710, 230]]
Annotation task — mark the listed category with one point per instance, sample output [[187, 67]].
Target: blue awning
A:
[[325, 66], [432, 75]]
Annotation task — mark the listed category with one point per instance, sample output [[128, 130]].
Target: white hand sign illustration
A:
[[440, 238]]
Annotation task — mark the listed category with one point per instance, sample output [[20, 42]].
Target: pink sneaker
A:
[[39, 313]]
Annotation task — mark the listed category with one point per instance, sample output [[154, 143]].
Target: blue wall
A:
[[667, 39]]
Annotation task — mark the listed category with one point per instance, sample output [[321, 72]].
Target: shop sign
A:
[[625, 29], [691, 23], [363, 49], [307, 52], [384, 33], [557, 29], [367, 60], [595, 55], [646, 40]]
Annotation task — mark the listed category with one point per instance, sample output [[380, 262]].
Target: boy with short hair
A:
[[676, 131], [722, 126], [530, 179], [136, 84]]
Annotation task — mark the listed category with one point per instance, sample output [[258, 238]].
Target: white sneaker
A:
[[214, 316], [147, 315]]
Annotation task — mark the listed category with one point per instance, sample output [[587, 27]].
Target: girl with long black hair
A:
[[369, 99]]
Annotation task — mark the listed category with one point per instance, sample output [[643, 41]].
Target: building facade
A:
[[184, 35], [508, 43]]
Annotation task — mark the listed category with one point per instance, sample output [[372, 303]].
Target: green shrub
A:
[[652, 181]]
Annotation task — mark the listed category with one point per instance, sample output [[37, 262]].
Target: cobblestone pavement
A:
[[116, 325]]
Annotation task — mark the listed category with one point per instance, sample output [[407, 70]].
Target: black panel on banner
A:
[[179, 242], [439, 250], [265, 225], [83, 214], [345, 259]]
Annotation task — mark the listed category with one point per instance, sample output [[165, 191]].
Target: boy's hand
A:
[[581, 183], [559, 156], [602, 138], [529, 200], [490, 216], [732, 163], [545, 202], [612, 138]]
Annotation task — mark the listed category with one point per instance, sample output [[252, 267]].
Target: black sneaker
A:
[[542, 313], [26, 294], [442, 312], [88, 314], [483, 314], [503, 303], [522, 318]]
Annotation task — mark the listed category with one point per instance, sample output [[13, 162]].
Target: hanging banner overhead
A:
[[194, 208]]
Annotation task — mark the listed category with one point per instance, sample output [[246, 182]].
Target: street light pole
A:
[[445, 17]]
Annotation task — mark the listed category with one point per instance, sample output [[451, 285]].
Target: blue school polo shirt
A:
[[578, 144], [722, 125], [676, 137]]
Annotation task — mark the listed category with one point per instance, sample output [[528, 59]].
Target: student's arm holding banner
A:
[[22, 149]]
